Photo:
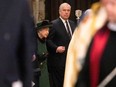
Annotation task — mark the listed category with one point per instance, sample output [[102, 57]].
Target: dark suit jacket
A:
[[17, 43], [58, 37]]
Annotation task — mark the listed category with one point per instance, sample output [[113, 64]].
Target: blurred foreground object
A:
[[80, 42]]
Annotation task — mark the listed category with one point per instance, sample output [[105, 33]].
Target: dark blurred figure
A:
[[39, 60], [17, 43], [57, 44]]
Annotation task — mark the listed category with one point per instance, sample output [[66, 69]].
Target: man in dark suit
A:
[[57, 44], [17, 43]]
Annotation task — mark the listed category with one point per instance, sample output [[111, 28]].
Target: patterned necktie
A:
[[68, 29]]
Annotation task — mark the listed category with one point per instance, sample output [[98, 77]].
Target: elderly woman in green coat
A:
[[39, 59]]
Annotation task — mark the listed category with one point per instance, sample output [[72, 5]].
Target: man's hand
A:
[[60, 49]]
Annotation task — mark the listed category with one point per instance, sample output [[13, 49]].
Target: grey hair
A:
[[63, 4]]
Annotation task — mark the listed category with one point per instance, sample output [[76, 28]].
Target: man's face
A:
[[64, 11], [110, 6]]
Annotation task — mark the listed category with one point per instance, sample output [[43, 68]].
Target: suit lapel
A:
[[62, 26], [72, 26]]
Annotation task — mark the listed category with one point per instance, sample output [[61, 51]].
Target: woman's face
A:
[[43, 33]]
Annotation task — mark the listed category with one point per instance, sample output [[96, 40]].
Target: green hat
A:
[[43, 24]]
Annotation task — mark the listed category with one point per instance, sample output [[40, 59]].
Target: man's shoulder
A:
[[56, 20], [71, 21]]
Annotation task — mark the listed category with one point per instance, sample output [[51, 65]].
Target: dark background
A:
[[52, 7]]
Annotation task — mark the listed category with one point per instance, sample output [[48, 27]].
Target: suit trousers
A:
[[56, 76]]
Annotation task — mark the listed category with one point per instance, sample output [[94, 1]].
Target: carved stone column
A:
[[41, 10], [38, 7]]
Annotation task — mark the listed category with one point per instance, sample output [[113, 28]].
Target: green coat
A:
[[42, 55]]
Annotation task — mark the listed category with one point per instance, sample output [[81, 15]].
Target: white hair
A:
[[63, 4]]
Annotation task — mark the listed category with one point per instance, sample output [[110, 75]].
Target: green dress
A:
[[42, 52]]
